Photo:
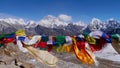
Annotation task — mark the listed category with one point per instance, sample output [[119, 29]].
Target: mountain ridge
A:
[[58, 27]]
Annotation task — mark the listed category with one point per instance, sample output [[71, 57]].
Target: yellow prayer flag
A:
[[20, 32], [90, 40]]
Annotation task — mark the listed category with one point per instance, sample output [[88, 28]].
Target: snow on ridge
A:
[[95, 24], [79, 23], [52, 21], [111, 19], [63, 20], [96, 21], [64, 17], [13, 21], [31, 23]]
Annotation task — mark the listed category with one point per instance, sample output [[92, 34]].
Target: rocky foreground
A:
[[12, 57]]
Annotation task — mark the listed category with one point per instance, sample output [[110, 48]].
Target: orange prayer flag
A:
[[82, 55]]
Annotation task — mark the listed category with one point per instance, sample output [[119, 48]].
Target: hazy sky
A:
[[79, 9]]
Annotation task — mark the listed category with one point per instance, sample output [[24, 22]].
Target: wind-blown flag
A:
[[116, 42], [100, 38], [81, 53]]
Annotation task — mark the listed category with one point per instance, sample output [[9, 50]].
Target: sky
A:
[[83, 10]]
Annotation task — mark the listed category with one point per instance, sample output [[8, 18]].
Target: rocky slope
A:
[[12, 57]]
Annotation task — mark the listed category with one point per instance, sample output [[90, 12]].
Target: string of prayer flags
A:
[[83, 46]]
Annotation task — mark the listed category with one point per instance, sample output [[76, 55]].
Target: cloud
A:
[[64, 17]]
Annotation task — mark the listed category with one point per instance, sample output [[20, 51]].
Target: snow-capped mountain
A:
[[8, 25], [111, 26], [31, 24], [51, 25], [13, 21], [6, 28], [80, 23], [52, 22], [60, 25], [95, 24], [16, 23]]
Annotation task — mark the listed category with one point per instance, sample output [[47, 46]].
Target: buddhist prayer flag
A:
[[82, 54], [83, 46]]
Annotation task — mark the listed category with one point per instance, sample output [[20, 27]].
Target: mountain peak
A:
[[79, 23], [111, 19], [95, 24], [31, 24], [13, 21], [52, 22], [49, 17], [96, 21]]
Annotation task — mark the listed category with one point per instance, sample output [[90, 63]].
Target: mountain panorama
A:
[[51, 25]]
